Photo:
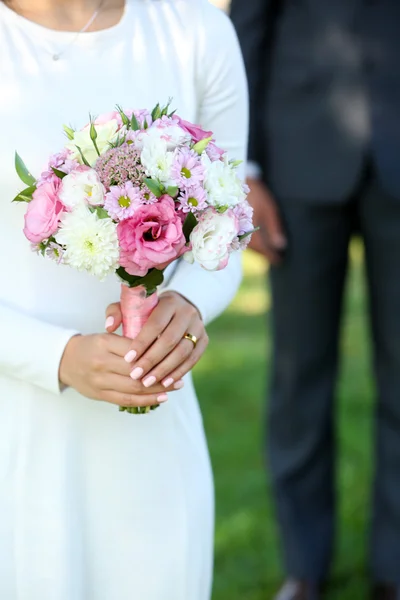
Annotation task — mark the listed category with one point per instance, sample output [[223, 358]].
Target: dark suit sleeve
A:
[[254, 23]]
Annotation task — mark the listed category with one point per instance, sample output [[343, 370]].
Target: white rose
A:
[[223, 185], [157, 160], [106, 133], [81, 186], [172, 135], [212, 238]]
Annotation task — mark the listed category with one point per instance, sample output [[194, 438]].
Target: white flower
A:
[[157, 160], [81, 186], [172, 135], [212, 239], [106, 133], [91, 244], [223, 185]]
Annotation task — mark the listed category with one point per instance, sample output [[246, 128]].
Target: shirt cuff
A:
[[253, 170]]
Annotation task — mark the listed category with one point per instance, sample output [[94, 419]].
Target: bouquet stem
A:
[[136, 308]]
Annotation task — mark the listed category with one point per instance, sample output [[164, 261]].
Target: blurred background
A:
[[247, 563]]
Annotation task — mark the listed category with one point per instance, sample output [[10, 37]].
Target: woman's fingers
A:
[[113, 317], [184, 368], [127, 400], [169, 341], [124, 384], [158, 321], [163, 370]]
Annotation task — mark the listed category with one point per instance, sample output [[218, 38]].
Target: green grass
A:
[[232, 382]]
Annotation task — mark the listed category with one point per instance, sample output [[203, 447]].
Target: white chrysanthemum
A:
[[91, 244], [222, 184], [106, 133], [157, 160]]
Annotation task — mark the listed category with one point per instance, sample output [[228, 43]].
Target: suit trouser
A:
[[307, 299]]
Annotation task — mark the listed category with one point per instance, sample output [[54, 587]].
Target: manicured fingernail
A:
[[162, 398], [109, 322], [179, 385], [137, 373], [149, 381], [130, 356], [168, 382]]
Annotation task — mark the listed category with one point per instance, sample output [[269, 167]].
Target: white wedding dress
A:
[[96, 504]]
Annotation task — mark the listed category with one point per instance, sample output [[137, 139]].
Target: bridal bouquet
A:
[[131, 192]]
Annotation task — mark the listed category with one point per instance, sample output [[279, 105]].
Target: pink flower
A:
[[244, 214], [44, 212], [195, 131], [122, 201], [214, 153], [152, 237], [59, 161], [193, 200], [187, 169]]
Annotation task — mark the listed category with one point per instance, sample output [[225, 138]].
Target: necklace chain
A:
[[57, 55]]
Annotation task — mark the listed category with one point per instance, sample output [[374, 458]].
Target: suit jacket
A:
[[324, 92]]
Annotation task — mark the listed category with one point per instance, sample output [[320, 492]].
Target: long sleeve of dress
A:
[[223, 109], [33, 349]]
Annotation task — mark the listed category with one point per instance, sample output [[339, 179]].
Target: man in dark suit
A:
[[325, 163]]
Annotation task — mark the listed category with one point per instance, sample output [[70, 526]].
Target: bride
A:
[[96, 504]]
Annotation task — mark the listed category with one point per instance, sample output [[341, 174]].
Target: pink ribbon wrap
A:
[[136, 308]]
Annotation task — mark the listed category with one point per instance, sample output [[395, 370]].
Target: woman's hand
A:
[[160, 353], [94, 365]]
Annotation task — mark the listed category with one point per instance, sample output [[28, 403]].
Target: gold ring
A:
[[191, 338]]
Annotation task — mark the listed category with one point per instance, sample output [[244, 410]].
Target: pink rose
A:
[[152, 237], [44, 211], [195, 131]]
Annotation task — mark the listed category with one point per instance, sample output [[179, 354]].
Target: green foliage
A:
[[231, 381], [85, 162], [69, 132], [189, 224], [154, 186], [134, 123], [58, 173], [151, 281], [23, 172], [25, 195]]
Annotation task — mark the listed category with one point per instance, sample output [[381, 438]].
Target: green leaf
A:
[[245, 235], [25, 195], [156, 112], [151, 281], [70, 132], [145, 124], [58, 173], [202, 145], [235, 163], [134, 123], [131, 280], [154, 187], [85, 162], [171, 114], [172, 191], [23, 172], [101, 212], [188, 226]]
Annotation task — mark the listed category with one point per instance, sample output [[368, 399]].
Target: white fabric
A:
[[97, 504]]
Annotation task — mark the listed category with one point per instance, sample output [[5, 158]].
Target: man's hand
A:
[[270, 239]]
